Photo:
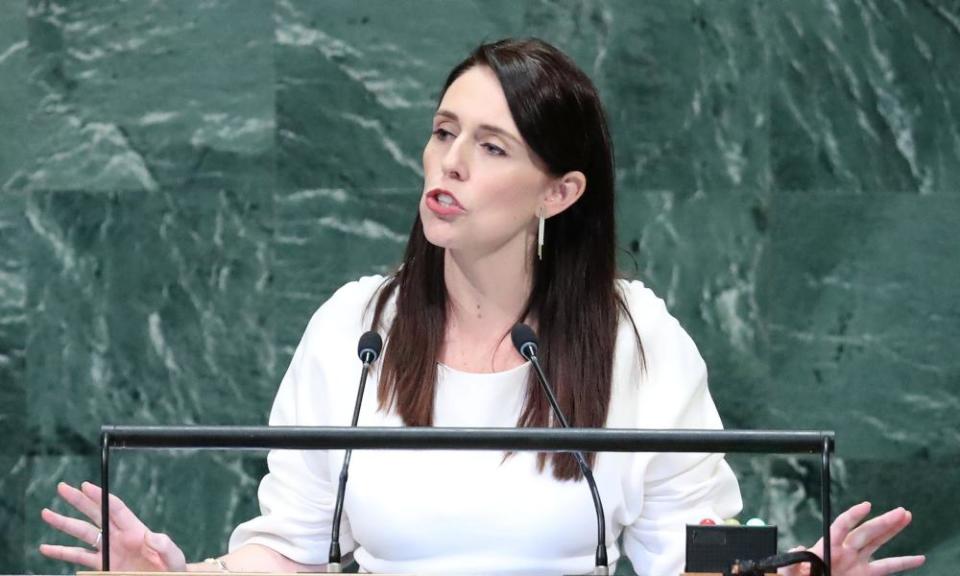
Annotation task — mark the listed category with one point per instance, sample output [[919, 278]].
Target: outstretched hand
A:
[[852, 544], [133, 547]]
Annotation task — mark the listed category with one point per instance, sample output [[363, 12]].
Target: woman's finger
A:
[[893, 522], [121, 516], [80, 501], [847, 522], [72, 554], [79, 529], [897, 564]]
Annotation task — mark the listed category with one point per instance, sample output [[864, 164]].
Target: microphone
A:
[[368, 349], [525, 341]]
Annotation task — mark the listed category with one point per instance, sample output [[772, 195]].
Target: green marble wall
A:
[[182, 183]]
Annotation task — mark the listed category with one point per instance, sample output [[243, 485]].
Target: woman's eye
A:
[[441, 134], [494, 149]]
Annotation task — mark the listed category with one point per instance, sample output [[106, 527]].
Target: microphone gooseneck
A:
[[368, 350], [525, 341]]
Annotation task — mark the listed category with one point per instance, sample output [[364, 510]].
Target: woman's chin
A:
[[439, 240], [438, 232]]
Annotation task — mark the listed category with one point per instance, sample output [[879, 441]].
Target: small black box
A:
[[716, 548]]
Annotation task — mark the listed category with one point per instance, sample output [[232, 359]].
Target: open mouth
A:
[[444, 203]]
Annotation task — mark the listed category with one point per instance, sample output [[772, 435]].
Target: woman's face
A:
[[482, 184]]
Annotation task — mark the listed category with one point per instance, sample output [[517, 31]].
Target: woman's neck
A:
[[486, 296]]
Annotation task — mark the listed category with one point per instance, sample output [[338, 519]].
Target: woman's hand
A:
[[133, 547], [852, 545]]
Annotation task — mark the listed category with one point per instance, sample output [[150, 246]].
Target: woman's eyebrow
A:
[[486, 127]]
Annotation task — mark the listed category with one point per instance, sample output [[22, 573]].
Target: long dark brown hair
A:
[[574, 299]]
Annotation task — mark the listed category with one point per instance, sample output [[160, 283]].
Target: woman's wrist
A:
[[209, 565], [219, 563]]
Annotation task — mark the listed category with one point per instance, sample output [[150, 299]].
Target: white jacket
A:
[[475, 512]]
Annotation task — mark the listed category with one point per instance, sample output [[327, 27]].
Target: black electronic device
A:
[[716, 548]]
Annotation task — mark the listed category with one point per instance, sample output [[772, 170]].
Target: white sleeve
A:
[[297, 496], [670, 490]]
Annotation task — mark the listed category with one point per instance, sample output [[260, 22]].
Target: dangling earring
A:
[[540, 234]]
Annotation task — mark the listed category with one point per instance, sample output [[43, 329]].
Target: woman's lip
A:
[[438, 191], [443, 209]]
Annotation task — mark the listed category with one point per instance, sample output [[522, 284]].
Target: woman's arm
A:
[[252, 558]]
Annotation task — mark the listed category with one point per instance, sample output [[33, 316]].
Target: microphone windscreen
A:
[[523, 337], [370, 343]]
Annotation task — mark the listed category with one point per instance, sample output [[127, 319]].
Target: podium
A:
[[96, 573], [500, 439]]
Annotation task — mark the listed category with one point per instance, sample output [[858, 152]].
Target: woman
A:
[[516, 223]]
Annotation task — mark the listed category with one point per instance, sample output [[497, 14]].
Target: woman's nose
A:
[[454, 161]]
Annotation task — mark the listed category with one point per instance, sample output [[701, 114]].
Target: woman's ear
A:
[[563, 192]]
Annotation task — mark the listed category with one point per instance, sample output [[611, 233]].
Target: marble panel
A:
[[701, 254], [865, 96], [15, 130], [138, 96], [860, 294], [146, 308], [651, 65], [13, 390], [13, 324], [326, 237], [685, 86], [14, 473], [730, 127], [14, 94], [194, 497]]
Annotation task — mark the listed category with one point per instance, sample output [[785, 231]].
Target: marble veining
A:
[[183, 184]]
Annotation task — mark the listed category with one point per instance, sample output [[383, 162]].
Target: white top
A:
[[440, 511]]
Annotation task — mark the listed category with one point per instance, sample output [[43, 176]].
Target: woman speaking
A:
[[515, 224]]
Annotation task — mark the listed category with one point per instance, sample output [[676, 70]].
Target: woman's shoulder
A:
[[673, 373], [643, 303], [351, 304], [356, 292], [661, 334]]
